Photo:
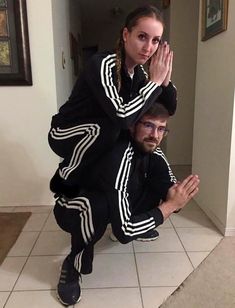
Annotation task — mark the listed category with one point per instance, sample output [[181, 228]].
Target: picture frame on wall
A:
[[15, 63], [214, 17]]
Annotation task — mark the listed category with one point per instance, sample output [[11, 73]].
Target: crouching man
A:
[[132, 187]]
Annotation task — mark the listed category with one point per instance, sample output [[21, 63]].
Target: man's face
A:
[[149, 132]]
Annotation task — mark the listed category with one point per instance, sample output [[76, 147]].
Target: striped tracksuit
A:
[[125, 189], [89, 123]]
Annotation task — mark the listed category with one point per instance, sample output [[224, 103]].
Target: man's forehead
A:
[[154, 119]]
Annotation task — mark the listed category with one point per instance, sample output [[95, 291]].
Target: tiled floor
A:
[[136, 275]]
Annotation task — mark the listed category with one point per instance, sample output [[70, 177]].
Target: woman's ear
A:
[[124, 34]]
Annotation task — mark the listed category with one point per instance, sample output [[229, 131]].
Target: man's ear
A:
[[132, 130]]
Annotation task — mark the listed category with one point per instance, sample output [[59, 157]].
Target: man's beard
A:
[[145, 147]]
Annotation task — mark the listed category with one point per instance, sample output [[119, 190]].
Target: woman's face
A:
[[142, 41]]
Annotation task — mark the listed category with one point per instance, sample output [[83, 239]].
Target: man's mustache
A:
[[151, 139]]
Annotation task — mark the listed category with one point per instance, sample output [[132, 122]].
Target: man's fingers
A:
[[193, 193], [192, 184], [186, 180]]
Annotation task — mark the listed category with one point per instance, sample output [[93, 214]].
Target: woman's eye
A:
[[141, 37], [156, 41]]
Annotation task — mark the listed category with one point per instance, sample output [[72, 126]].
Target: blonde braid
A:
[[119, 51]]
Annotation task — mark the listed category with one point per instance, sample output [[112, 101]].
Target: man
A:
[[132, 187]]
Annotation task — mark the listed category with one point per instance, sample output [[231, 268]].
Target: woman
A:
[[111, 94]]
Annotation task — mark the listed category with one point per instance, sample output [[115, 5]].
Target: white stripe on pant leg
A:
[[87, 228], [77, 155], [81, 204], [80, 149], [64, 133], [71, 205], [86, 217], [58, 136], [78, 261]]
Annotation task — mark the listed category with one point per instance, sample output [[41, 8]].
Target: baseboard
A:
[[220, 226], [229, 232]]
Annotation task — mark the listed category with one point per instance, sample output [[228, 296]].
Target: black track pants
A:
[[85, 218], [80, 145]]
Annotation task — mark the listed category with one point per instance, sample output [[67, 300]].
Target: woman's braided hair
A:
[[131, 21]]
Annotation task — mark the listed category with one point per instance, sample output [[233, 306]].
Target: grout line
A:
[[137, 272], [183, 246], [27, 258], [7, 299]]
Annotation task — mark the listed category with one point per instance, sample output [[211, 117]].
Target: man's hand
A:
[[179, 195]]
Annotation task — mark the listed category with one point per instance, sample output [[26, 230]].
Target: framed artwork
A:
[[15, 64], [214, 17]]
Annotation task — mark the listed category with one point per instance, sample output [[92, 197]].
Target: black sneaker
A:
[[150, 235], [68, 288]]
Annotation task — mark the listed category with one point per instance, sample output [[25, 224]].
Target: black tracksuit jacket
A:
[[133, 183], [125, 189]]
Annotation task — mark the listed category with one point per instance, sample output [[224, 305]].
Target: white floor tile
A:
[[154, 297], [40, 273], [115, 298], [9, 272], [35, 222], [199, 239], [34, 209], [167, 224], [112, 270], [167, 241], [33, 299], [51, 224], [3, 298], [163, 269], [191, 216], [197, 257], [52, 243], [106, 245], [24, 244]]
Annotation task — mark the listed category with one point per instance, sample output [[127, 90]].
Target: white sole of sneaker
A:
[[65, 304], [147, 240]]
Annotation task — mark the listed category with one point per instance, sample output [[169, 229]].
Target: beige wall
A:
[[213, 148], [61, 28], [183, 41], [66, 19], [230, 227], [26, 160]]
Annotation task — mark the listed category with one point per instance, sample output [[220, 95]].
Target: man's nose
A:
[[154, 132]]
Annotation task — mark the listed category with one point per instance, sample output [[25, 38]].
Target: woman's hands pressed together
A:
[[161, 65]]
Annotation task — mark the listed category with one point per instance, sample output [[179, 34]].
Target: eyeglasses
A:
[[150, 127]]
